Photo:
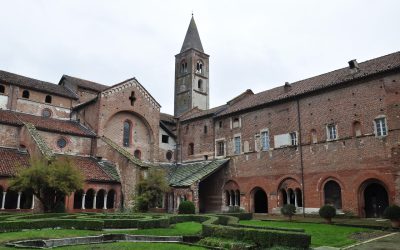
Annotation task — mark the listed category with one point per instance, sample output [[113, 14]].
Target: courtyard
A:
[[193, 229]]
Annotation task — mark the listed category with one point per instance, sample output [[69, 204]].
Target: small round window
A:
[[46, 113], [61, 143], [169, 155]]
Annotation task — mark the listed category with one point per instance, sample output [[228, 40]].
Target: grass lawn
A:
[[128, 245], [321, 234], [185, 228]]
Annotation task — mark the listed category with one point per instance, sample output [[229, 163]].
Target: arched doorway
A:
[[333, 194], [283, 197], [11, 199], [110, 198], [375, 200], [89, 199], [100, 198], [260, 201], [78, 199]]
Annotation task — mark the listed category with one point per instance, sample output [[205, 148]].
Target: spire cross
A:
[[132, 98]]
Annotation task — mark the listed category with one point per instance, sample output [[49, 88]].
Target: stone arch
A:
[[332, 193], [100, 198], [373, 198], [141, 132], [89, 198], [78, 195], [259, 200], [11, 199], [290, 192], [111, 199], [230, 194]]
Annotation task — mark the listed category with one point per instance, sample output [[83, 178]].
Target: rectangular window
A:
[[220, 124], [331, 132], [205, 129], [265, 140], [293, 138], [381, 129], [164, 138], [237, 145], [220, 148], [236, 122]]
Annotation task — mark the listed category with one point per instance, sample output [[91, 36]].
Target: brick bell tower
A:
[[191, 74]]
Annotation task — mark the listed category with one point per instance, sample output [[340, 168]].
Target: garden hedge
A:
[[18, 225]]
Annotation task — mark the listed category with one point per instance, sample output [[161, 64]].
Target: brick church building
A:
[[329, 139]]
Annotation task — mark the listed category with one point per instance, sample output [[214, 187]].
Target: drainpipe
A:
[[301, 157]]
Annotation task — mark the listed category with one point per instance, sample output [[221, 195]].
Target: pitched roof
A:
[[83, 83], [168, 123], [30, 83], [125, 153], [334, 78], [197, 113], [10, 159], [192, 38], [92, 170], [41, 123], [185, 174]]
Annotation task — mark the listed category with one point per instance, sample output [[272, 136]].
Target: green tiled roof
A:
[[185, 174], [43, 147], [125, 153], [110, 169]]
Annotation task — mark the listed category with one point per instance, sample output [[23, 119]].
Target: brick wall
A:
[[76, 145]]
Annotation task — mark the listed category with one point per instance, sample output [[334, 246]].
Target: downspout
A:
[[301, 157]]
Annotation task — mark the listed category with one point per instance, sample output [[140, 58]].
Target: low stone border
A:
[[104, 238]]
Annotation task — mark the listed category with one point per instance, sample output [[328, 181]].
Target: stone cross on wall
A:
[[132, 98]]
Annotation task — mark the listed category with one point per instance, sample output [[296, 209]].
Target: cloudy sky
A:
[[252, 44]]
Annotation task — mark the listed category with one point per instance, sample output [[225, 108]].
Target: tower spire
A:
[[192, 38]]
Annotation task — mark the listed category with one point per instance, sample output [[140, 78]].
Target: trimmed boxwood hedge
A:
[[241, 216], [18, 225], [184, 218]]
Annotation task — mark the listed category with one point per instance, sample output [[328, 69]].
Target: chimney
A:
[[287, 87], [353, 65]]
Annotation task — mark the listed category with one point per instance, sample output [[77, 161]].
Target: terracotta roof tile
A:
[[340, 76], [41, 123], [91, 169], [197, 113], [84, 83], [10, 159], [30, 83]]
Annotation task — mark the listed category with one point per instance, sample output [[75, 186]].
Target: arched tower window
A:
[[127, 133], [2, 89], [25, 94], [191, 149], [48, 99], [183, 66], [199, 67], [200, 84]]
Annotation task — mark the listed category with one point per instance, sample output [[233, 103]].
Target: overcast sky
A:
[[252, 44]]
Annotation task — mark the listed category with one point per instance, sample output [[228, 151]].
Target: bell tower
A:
[[191, 74]]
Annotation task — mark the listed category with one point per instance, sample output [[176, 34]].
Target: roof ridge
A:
[[125, 153]]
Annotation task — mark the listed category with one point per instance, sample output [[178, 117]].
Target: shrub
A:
[[59, 207], [327, 212], [141, 204], [9, 226], [186, 207], [392, 212], [263, 238], [288, 210]]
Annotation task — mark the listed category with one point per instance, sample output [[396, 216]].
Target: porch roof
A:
[[185, 174]]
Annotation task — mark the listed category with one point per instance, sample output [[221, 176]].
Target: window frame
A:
[[26, 94], [267, 145], [328, 132], [48, 99], [294, 138], [218, 148], [165, 141], [2, 89], [384, 128], [237, 138], [127, 138]]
